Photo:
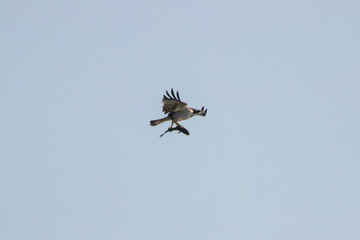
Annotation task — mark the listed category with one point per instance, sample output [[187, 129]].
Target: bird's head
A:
[[201, 112]]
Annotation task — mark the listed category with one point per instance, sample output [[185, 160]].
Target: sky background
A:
[[276, 157]]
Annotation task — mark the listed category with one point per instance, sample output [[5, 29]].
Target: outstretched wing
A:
[[172, 103]]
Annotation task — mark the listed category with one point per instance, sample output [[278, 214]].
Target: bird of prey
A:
[[177, 110]]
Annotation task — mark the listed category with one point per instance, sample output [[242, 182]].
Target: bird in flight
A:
[[177, 110]]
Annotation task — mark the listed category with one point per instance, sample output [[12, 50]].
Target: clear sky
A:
[[276, 157]]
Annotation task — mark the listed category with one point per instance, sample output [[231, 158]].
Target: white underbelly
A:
[[181, 115]]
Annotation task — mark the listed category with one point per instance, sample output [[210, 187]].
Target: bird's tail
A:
[[158, 121]]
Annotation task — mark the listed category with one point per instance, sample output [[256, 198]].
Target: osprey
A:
[[177, 110]]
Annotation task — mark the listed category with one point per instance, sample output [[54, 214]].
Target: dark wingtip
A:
[[178, 96], [173, 94], [167, 93]]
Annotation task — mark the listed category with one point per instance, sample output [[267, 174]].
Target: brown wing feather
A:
[[173, 103]]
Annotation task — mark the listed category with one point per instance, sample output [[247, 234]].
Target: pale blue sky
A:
[[277, 156]]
